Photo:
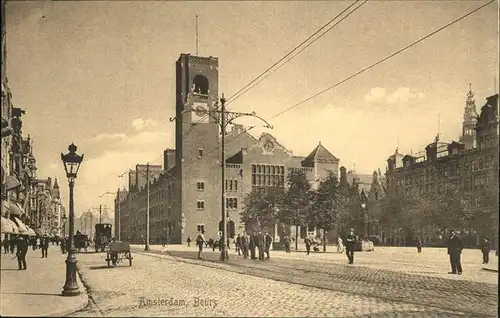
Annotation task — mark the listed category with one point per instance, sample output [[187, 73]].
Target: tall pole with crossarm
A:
[[223, 118]]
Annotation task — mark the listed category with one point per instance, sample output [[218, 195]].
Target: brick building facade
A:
[[453, 166], [185, 197]]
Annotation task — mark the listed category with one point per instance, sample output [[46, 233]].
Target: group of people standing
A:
[[257, 245], [20, 245]]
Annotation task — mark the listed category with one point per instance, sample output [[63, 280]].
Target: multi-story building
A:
[[49, 209], [452, 166], [186, 197]]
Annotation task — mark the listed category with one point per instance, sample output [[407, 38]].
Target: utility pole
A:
[[119, 215], [100, 213], [224, 255], [223, 118], [146, 248]]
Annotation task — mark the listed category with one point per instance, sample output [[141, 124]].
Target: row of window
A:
[[442, 187], [231, 204], [265, 180], [231, 185], [447, 171], [268, 169]]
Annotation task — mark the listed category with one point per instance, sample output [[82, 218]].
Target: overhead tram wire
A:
[[229, 100], [297, 53], [361, 71], [383, 60]]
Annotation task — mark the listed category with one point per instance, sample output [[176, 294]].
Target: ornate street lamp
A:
[[64, 218], [72, 163]]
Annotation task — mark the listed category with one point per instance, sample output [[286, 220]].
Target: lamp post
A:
[[365, 218], [65, 245], [72, 163]]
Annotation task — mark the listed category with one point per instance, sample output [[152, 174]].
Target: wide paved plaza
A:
[[390, 282]]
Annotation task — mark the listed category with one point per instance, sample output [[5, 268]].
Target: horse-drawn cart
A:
[[81, 242], [118, 251]]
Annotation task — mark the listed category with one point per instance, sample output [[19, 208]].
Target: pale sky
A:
[[101, 75]]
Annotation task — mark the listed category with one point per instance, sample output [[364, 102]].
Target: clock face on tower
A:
[[200, 113]]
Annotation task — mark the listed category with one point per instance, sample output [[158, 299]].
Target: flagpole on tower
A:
[[196, 35]]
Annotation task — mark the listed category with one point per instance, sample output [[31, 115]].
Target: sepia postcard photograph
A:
[[249, 158]]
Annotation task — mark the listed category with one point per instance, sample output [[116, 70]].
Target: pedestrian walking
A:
[[5, 246], [238, 244], [13, 244], [286, 242], [485, 249], [244, 244], [200, 240], [308, 243], [45, 246], [340, 244], [22, 250], [269, 242], [419, 245], [350, 245], [455, 248], [188, 241]]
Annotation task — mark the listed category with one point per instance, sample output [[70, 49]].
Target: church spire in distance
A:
[[469, 124]]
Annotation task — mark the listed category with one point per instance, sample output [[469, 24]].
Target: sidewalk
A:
[[37, 290]]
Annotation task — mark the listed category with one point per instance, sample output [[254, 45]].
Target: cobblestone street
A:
[[278, 287]]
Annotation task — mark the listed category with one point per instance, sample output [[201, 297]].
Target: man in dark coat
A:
[[261, 243], [455, 247], [419, 245], [22, 250], [268, 241], [244, 244], [200, 241], [253, 245], [350, 245], [44, 244], [485, 249], [238, 244], [286, 242], [308, 243]]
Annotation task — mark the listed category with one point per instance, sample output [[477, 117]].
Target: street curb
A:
[[84, 300]]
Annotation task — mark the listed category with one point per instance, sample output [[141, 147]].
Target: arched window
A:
[[200, 84]]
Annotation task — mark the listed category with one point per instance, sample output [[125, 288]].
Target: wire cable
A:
[[291, 52], [300, 51], [363, 70]]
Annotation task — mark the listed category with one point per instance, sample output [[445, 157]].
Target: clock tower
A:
[[196, 147]]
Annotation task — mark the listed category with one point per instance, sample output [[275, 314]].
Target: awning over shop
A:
[[15, 209], [12, 208], [21, 226], [6, 226], [30, 231], [12, 183], [14, 229], [5, 207]]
